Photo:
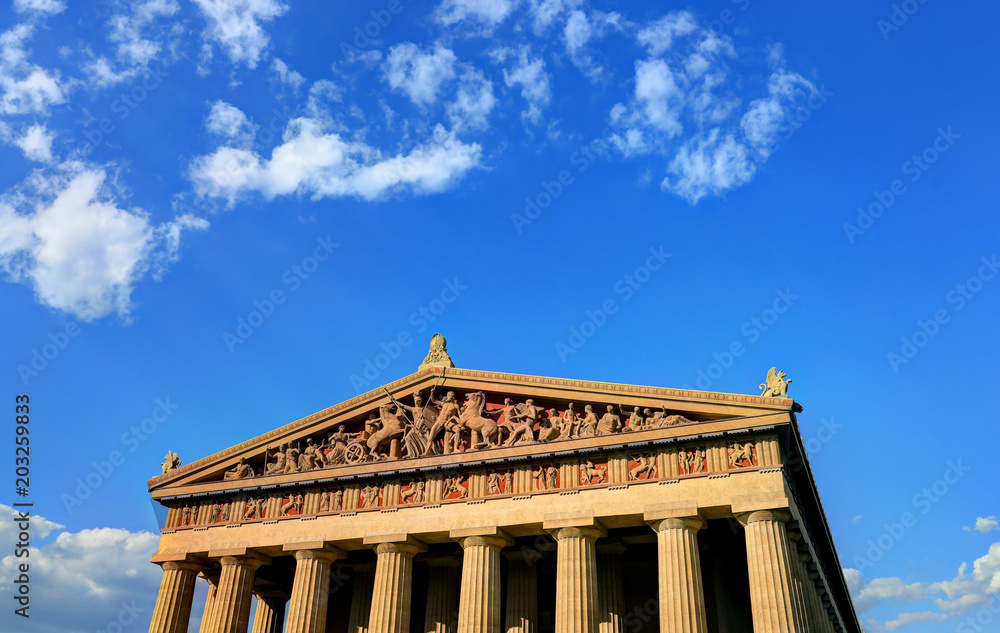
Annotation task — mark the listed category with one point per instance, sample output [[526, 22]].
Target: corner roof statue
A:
[[438, 354], [776, 385], [171, 461], [456, 463]]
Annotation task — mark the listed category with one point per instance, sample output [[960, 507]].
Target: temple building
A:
[[461, 501]]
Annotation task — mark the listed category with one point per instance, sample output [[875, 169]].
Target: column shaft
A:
[[681, 593], [771, 575], [391, 594], [522, 595], [442, 594], [231, 607], [310, 591], [479, 602], [212, 578], [270, 613], [173, 604], [576, 579]]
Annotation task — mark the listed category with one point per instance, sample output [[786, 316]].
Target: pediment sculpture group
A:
[[445, 425]]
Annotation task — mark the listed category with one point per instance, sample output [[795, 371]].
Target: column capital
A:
[[780, 516], [693, 523], [263, 594], [181, 566], [403, 543], [563, 525], [589, 533], [319, 554], [491, 536], [313, 544]]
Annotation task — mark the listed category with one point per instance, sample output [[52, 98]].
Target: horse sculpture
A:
[[485, 431]]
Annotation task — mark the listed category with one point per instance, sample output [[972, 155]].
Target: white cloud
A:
[[419, 74], [25, 87], [547, 12], [231, 123], [658, 37], [36, 143], [473, 102], [66, 235], [708, 165], [529, 73], [286, 75], [905, 619], [236, 26], [133, 49], [765, 117], [313, 160], [90, 574], [41, 6], [984, 525], [485, 13], [579, 31]]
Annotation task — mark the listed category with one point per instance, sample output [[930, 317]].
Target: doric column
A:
[[311, 588], [610, 588], [270, 612], [173, 604], [479, 601], [798, 582], [522, 594], [211, 576], [771, 575], [811, 618], [681, 594], [361, 599], [231, 607], [576, 576], [391, 593], [442, 593]]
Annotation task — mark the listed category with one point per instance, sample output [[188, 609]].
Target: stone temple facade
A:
[[459, 501]]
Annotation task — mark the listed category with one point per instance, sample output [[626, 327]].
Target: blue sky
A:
[[811, 185]]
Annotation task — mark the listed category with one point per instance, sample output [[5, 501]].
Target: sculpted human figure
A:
[[508, 482], [510, 418], [213, 513], [186, 515], [393, 428], [241, 470], [309, 459], [170, 462], [448, 415], [292, 458], [552, 477], [224, 513], [539, 477], [524, 431], [551, 427], [698, 461], [493, 483], [635, 419], [338, 447], [684, 462], [571, 422], [371, 496], [254, 508], [338, 500], [609, 422], [588, 427], [454, 484], [415, 437], [646, 465], [418, 492], [280, 458], [324, 501]]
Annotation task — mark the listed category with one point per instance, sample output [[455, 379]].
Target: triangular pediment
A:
[[673, 412]]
